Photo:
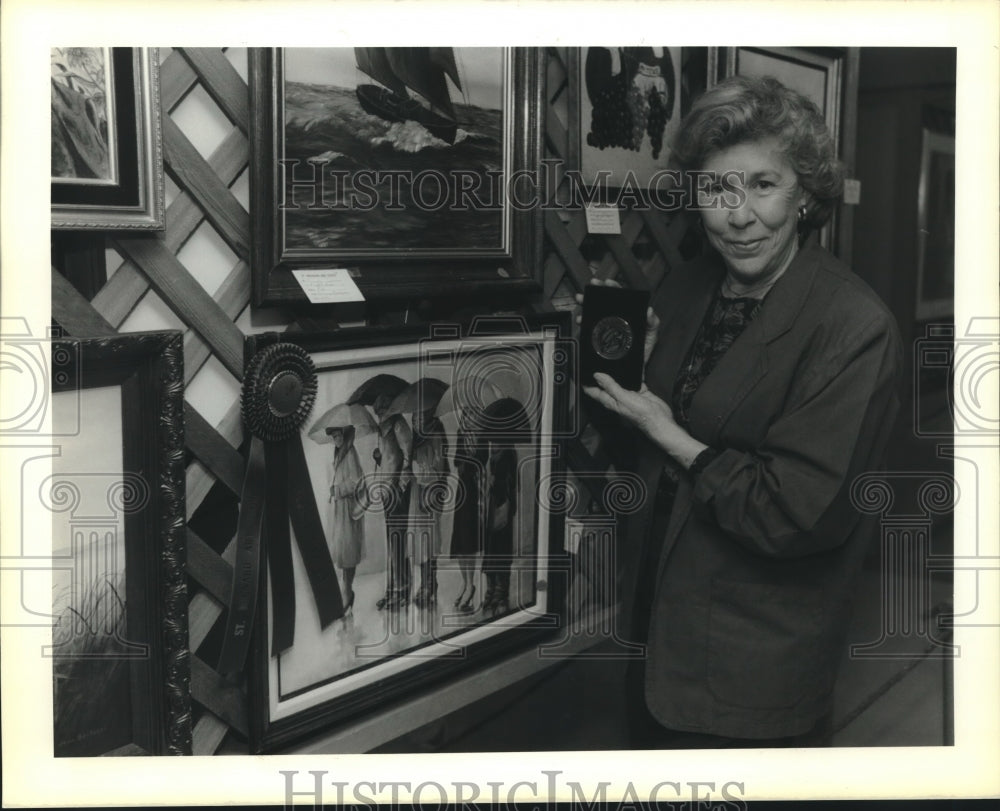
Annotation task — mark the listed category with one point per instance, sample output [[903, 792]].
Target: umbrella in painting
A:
[[504, 418], [374, 387], [341, 416], [470, 392], [422, 396]]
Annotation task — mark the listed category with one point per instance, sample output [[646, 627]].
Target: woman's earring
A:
[[803, 213]]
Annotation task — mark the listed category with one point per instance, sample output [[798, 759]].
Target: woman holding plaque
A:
[[770, 386]]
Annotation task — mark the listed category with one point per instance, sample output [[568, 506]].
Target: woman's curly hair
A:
[[741, 110]]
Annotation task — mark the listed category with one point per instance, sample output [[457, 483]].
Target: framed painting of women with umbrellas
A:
[[426, 453]]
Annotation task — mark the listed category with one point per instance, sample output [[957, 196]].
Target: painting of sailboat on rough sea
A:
[[411, 146]]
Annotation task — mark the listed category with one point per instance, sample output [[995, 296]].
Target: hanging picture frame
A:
[[626, 105], [429, 454], [107, 155], [936, 227], [120, 657], [412, 170], [818, 74]]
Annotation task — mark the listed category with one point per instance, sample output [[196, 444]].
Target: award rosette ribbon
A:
[[279, 389]]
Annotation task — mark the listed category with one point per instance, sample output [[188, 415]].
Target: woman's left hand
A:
[[642, 408], [649, 414]]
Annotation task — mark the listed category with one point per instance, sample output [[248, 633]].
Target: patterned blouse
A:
[[723, 323]]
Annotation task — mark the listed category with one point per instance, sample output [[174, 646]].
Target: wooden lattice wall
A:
[[97, 302]]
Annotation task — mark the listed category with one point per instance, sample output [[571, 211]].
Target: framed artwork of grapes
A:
[[628, 103], [431, 459]]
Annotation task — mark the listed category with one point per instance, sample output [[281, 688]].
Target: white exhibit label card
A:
[[852, 192], [328, 285], [603, 219]]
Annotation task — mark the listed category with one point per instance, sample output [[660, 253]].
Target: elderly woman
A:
[[770, 384]]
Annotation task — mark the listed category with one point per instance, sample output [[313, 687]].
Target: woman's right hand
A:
[[652, 319]]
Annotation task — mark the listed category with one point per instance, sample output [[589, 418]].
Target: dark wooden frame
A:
[[136, 202], [149, 367], [399, 274], [267, 734]]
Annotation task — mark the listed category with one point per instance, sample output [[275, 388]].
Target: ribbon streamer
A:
[[279, 390]]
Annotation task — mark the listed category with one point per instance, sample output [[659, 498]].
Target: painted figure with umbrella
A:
[[502, 425], [429, 462], [340, 426], [468, 395], [394, 476]]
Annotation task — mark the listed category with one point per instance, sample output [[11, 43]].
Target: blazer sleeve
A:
[[790, 495]]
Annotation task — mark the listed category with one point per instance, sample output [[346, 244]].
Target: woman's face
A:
[[337, 435], [758, 239]]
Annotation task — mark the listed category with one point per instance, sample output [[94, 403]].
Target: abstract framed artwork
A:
[[426, 460], [107, 161], [120, 655], [412, 169]]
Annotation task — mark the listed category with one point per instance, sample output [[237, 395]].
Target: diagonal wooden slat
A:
[[188, 299], [193, 174], [198, 480], [667, 237], [212, 450], [177, 78], [626, 261], [232, 297], [208, 734], [127, 286], [567, 249], [207, 568], [226, 163], [73, 312], [203, 612], [222, 82], [214, 692], [553, 272], [555, 133]]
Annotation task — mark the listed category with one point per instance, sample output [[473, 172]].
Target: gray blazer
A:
[[763, 547]]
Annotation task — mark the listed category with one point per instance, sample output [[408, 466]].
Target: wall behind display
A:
[[195, 277], [903, 92]]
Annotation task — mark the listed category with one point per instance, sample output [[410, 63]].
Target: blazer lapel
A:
[[746, 362], [681, 306]]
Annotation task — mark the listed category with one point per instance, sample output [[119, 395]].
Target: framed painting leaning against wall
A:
[[120, 659]]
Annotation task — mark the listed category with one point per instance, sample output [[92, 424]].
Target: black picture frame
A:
[[140, 665], [128, 194], [282, 710], [427, 253]]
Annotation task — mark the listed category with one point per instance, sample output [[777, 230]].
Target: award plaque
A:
[[613, 334]]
